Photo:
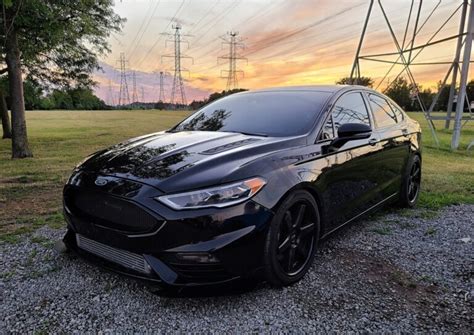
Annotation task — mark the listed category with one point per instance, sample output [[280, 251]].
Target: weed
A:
[[430, 231]]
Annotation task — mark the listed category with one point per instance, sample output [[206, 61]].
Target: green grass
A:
[[30, 189], [448, 176]]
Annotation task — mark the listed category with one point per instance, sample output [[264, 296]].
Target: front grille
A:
[[110, 211], [124, 258]]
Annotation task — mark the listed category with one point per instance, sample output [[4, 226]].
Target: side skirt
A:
[[361, 214]]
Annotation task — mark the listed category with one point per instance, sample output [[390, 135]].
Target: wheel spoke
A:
[[291, 259], [284, 245], [289, 220], [305, 230], [300, 216], [416, 172], [302, 249]]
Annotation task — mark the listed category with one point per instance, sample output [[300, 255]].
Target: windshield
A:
[[261, 113]]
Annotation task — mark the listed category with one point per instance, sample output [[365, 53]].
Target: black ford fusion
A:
[[244, 187]]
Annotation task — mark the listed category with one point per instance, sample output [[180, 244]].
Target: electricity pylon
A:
[[162, 89], [178, 94], [124, 97], [134, 85], [110, 94], [407, 50], [235, 43]]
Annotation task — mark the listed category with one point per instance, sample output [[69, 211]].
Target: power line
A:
[[159, 38], [137, 42]]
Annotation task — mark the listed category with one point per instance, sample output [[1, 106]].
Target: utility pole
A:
[[124, 97], [464, 77], [234, 43], [178, 94], [134, 87], [162, 89]]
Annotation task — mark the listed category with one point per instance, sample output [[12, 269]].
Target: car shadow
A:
[[238, 287]]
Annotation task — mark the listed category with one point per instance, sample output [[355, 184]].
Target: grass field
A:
[[30, 189]]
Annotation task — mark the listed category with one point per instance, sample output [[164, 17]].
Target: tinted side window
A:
[[383, 114], [398, 112], [350, 108]]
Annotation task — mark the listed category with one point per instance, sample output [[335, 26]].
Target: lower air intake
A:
[[124, 258]]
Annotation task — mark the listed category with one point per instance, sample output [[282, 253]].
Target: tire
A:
[[292, 239], [411, 183]]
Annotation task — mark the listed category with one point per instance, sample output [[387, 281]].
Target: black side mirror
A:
[[350, 132]]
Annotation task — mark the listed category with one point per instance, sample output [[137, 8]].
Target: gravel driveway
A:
[[408, 271]]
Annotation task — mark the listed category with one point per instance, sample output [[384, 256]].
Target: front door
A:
[[352, 180]]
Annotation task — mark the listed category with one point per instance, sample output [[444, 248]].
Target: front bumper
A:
[[187, 248]]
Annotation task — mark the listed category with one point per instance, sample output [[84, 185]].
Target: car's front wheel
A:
[[292, 239], [411, 183]]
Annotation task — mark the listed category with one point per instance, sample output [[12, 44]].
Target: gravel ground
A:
[[411, 271]]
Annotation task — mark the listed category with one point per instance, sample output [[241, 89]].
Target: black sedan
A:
[[244, 187]]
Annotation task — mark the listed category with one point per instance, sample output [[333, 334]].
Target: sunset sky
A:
[[287, 42]]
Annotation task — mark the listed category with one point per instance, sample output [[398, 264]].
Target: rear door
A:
[[350, 183], [391, 129]]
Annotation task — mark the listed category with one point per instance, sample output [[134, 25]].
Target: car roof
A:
[[315, 88]]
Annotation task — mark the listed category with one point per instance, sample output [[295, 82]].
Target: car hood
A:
[[185, 160]]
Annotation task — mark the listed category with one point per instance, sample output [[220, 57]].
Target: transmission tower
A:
[[142, 90], [407, 51], [178, 94], [162, 89], [235, 43], [134, 90], [124, 97], [110, 94]]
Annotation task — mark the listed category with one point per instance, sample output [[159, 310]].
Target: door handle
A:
[[373, 141], [405, 132]]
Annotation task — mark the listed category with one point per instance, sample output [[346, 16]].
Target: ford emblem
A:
[[100, 181]]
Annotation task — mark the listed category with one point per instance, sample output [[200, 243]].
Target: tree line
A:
[[82, 98]]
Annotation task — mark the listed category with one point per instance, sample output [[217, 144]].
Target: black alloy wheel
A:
[[411, 185], [292, 239]]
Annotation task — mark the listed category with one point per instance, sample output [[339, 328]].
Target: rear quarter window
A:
[[384, 114]]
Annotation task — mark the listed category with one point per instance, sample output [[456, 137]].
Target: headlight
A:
[[222, 196]]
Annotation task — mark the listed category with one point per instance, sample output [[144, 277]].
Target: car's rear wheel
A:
[[292, 239], [411, 183]]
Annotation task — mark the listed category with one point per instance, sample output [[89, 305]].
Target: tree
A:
[[442, 103], [7, 131], [33, 93], [399, 90], [426, 96], [214, 96], [470, 90], [52, 41], [5, 118], [363, 81]]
